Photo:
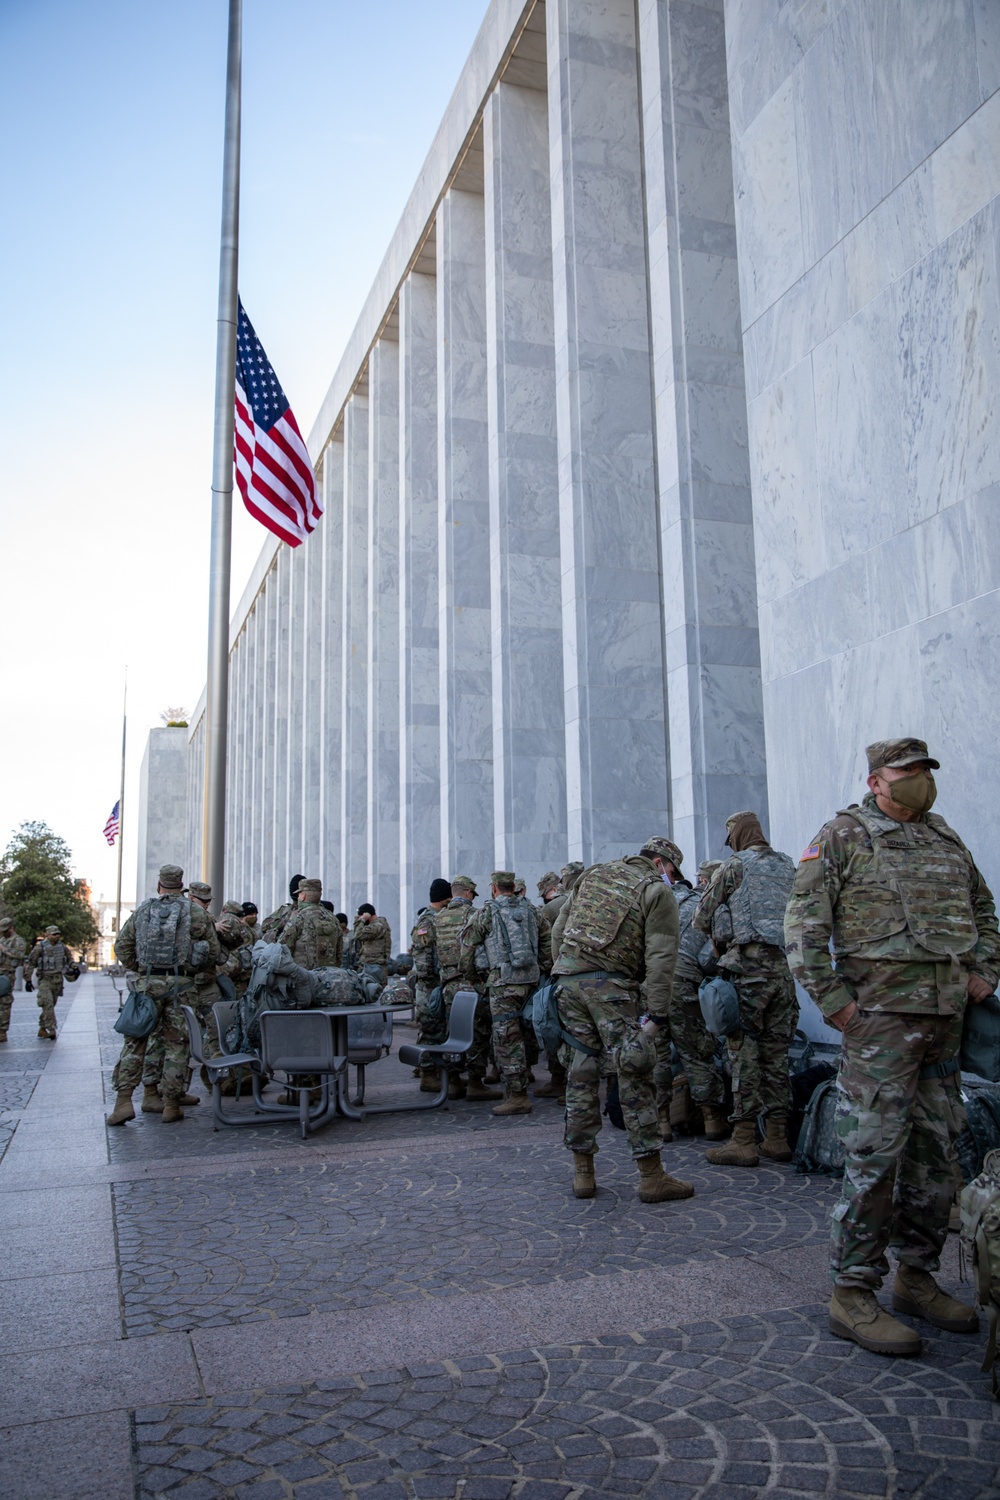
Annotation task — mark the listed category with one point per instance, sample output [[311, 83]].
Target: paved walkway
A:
[[415, 1308]]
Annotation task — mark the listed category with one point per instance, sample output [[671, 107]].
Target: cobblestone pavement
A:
[[280, 1241], [730, 1410]]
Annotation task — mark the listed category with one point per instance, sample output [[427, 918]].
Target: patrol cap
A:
[[200, 891], [893, 755], [572, 872], [743, 830], [233, 908], [53, 932], [463, 883], [6, 921], [440, 890], [548, 880], [316, 886], [520, 887], [171, 877], [708, 867], [502, 878], [663, 849]]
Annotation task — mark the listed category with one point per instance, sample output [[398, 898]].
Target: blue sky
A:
[[111, 114]]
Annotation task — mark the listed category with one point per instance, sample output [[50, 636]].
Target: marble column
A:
[[464, 538], [529, 742], [419, 683], [294, 857], [612, 628], [273, 882], [383, 637], [311, 693], [332, 674], [715, 712], [354, 689], [279, 792], [251, 863]]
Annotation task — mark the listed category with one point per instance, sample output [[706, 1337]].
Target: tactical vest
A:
[[163, 933], [605, 926], [275, 922], [757, 906], [910, 898], [512, 941], [376, 949], [448, 924], [52, 958], [422, 946], [691, 940], [12, 952]]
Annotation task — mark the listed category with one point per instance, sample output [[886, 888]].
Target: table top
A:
[[359, 1010]]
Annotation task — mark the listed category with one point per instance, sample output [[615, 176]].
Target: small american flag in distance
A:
[[273, 470], [111, 826]]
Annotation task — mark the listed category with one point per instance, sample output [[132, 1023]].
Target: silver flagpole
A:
[[217, 691], [121, 815]]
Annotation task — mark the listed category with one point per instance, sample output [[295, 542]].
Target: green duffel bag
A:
[[137, 1016]]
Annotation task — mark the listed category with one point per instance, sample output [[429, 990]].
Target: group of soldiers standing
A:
[[52, 961]]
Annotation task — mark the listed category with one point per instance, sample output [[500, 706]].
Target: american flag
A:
[[273, 471], [111, 826]]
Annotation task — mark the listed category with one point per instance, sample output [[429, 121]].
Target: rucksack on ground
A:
[[980, 1051], [982, 1127], [980, 1206], [819, 1147]]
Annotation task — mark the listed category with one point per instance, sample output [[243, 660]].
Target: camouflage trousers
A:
[[663, 1068], [603, 1016], [506, 1005], [428, 1033], [201, 999], [759, 1053], [6, 1001], [899, 1133], [169, 1037], [48, 988], [695, 1044]]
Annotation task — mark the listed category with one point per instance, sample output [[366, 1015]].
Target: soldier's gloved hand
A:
[[28, 986], [979, 989]]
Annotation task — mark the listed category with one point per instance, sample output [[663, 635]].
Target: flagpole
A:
[[121, 814], [217, 691]]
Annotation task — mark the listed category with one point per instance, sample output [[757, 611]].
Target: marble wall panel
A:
[[419, 678], [527, 711], [279, 788], [312, 704], [274, 881], [354, 686], [251, 876], [383, 639], [987, 16], [294, 851], [466, 692], [332, 675]]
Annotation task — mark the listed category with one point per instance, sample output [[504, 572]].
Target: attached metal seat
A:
[[369, 1038], [449, 1053], [224, 1014], [296, 1042], [216, 1066]]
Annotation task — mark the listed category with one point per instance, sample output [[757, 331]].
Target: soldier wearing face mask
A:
[[893, 931]]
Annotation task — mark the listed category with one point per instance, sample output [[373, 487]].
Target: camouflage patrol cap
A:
[[735, 818], [661, 848], [200, 891], [316, 886], [463, 883], [520, 887], [548, 880], [53, 931], [893, 755], [171, 877], [708, 867], [502, 878], [233, 908], [572, 871], [6, 921]]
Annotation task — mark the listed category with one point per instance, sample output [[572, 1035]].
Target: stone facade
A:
[[665, 437]]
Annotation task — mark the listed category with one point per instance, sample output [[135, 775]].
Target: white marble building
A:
[[661, 469]]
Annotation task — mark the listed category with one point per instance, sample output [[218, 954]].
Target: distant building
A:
[[104, 911]]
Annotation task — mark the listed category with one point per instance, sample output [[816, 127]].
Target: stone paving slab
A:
[[724, 1409]]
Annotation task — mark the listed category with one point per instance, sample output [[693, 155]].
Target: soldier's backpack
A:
[[542, 1011], [337, 987], [980, 1053], [982, 1129], [720, 1006], [163, 936], [819, 1147], [980, 1243], [512, 941], [757, 906]]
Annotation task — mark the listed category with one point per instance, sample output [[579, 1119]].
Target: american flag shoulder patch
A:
[[811, 853]]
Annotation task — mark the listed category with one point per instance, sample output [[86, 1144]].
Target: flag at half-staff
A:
[[273, 471]]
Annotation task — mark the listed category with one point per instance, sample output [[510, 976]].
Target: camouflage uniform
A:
[[694, 1042], [313, 936], [272, 925], [170, 994], [425, 968], [506, 997], [908, 917], [373, 944], [759, 970], [458, 970], [618, 932], [51, 959], [12, 950]]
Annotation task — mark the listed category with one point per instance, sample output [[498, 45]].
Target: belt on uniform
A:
[[168, 973], [600, 974], [939, 1070]]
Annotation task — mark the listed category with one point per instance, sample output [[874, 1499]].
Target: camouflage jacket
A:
[[12, 951], [425, 963], [894, 928], [47, 958], [314, 937], [372, 941], [454, 960], [548, 914], [202, 930], [712, 915], [255, 932], [621, 919], [271, 926]]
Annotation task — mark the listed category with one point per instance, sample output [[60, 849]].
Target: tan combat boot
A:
[[514, 1104], [716, 1122], [456, 1087], [171, 1111], [123, 1110], [188, 1100], [776, 1147], [666, 1130], [430, 1082], [856, 1313], [584, 1183], [477, 1091], [917, 1293], [741, 1150], [152, 1104], [556, 1086], [657, 1186]]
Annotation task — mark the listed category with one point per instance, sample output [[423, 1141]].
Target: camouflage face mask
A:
[[917, 792]]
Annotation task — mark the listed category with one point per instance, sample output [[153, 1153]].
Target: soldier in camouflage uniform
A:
[[751, 890], [312, 934], [706, 870], [170, 991], [12, 950], [255, 933], [458, 971], [694, 1042], [892, 930], [617, 935], [425, 968], [509, 983], [51, 958], [271, 927], [554, 898], [372, 940]]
